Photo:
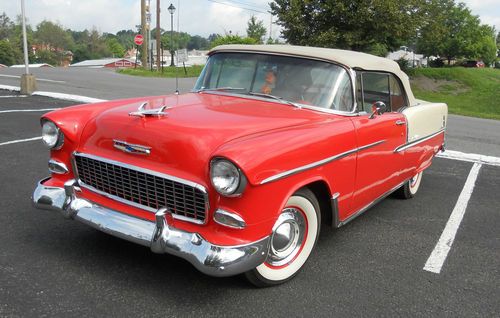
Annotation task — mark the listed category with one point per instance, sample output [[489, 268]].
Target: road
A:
[[371, 267], [472, 135]]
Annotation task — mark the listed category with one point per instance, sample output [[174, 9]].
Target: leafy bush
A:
[[436, 63], [232, 39], [404, 64]]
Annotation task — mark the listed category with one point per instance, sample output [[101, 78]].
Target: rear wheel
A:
[[293, 238], [410, 187]]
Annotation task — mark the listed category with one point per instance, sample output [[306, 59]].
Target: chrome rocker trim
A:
[[159, 236]]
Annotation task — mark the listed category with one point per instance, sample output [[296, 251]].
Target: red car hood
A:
[[183, 141]]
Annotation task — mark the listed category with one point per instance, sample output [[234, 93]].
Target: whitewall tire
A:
[[410, 187], [293, 238]]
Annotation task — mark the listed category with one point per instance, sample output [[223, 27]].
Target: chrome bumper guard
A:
[[159, 236]]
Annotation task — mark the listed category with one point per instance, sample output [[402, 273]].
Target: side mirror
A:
[[378, 108]]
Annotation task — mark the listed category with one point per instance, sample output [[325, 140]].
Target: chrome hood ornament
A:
[[143, 112], [131, 148]]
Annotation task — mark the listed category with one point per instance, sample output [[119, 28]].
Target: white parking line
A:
[[38, 79], [470, 157], [438, 256], [11, 96], [18, 141], [27, 110], [70, 97]]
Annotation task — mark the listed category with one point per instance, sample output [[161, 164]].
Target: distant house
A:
[[404, 52], [111, 63], [38, 65], [65, 57]]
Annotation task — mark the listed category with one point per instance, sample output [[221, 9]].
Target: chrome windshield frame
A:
[[349, 71]]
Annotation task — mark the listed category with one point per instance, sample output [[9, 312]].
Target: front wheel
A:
[[410, 187], [293, 238]]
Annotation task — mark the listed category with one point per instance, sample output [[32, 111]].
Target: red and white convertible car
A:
[[239, 175]]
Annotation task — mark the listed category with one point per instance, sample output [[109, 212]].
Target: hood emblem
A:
[[131, 148]]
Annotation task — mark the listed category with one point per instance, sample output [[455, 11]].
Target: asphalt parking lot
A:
[[371, 267]]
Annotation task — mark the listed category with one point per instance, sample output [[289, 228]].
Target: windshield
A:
[[292, 79]]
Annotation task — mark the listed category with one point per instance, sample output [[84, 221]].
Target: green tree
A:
[[47, 56], [126, 38], [6, 27], [53, 35], [348, 24], [115, 47], [8, 54], [451, 31], [232, 39], [197, 42], [256, 29]]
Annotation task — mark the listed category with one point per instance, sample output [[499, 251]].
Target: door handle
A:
[[400, 122]]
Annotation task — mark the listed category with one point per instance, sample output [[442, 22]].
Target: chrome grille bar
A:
[[143, 188]]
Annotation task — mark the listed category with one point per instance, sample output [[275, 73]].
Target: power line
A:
[[245, 4], [236, 6]]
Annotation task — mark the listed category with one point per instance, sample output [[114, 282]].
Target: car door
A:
[[378, 168]]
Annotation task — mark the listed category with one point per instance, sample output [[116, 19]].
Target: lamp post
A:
[[28, 81], [171, 9]]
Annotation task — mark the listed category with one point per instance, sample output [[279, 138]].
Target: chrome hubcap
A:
[[287, 238], [413, 181]]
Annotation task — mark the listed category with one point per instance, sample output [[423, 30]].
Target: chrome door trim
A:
[[418, 141], [318, 163]]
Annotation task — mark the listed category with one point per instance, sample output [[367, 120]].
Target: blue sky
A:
[[201, 17]]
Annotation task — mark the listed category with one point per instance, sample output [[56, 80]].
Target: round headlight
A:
[[226, 177], [51, 136]]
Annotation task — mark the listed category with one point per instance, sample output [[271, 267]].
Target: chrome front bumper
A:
[[210, 259]]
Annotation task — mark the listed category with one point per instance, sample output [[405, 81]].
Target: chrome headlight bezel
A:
[[52, 136], [236, 187]]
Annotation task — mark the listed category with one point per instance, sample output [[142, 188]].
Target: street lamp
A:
[[171, 9], [28, 81]]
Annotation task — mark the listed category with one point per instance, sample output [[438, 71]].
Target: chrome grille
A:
[[143, 188]]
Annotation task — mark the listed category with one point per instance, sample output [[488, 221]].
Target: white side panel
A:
[[425, 119]]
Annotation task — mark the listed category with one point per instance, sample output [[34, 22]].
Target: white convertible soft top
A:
[[351, 59]]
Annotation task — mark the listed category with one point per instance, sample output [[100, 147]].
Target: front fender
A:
[[276, 152]]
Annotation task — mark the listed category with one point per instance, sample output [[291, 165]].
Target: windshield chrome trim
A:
[[349, 70], [319, 162]]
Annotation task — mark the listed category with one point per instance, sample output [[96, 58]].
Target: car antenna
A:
[[176, 75]]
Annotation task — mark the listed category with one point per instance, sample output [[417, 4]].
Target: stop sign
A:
[[138, 39]]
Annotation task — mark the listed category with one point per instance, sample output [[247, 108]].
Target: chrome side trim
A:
[[418, 141], [319, 163], [369, 205], [144, 170], [57, 167], [159, 236]]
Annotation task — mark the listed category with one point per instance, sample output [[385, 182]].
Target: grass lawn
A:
[[467, 91], [192, 71]]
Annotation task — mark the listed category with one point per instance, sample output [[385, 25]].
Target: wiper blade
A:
[[274, 97], [227, 88]]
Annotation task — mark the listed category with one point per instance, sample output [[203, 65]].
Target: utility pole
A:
[[144, 32], [158, 36]]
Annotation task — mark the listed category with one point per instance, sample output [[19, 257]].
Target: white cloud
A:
[[201, 17], [196, 16], [487, 10]]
